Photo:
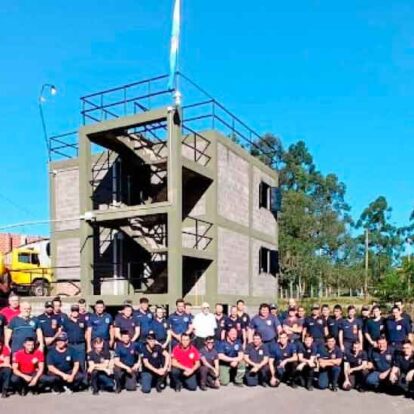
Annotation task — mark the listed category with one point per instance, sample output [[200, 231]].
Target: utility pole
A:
[[366, 263]]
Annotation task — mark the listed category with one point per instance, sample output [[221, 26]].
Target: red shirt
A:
[[10, 313], [5, 352], [186, 357], [28, 363]]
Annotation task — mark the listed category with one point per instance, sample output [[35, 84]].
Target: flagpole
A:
[[173, 83]]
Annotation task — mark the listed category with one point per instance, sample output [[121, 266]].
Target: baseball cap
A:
[[151, 336], [48, 304], [273, 306], [291, 308], [74, 308], [62, 337]]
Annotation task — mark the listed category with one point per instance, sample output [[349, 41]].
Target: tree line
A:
[[322, 247]]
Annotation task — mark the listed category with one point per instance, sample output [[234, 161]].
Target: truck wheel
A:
[[40, 288]]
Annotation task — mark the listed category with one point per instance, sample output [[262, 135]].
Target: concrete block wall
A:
[[232, 186], [232, 262]]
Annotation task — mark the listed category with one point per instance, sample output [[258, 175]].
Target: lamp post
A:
[[52, 90]]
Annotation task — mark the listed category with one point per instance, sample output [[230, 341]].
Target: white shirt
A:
[[204, 325]]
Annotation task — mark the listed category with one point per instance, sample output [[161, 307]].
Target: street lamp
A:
[[53, 91]]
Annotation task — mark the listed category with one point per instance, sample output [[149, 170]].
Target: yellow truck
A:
[[21, 271]]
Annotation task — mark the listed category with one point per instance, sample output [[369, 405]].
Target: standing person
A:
[[243, 316], [188, 309], [397, 328], [28, 369], [265, 324], [307, 354], [155, 364], [50, 324], [291, 304], [399, 303], [22, 327], [99, 370], [325, 313], [256, 358], [231, 357], [57, 309], [355, 367], [84, 314], [143, 318], [374, 328], [100, 325], [75, 329], [334, 322], [185, 365], [292, 325], [274, 310], [402, 372], [220, 321], [5, 369], [179, 322], [350, 330], [365, 315], [13, 309], [63, 366], [380, 364], [330, 361], [127, 363], [160, 328], [209, 369], [125, 321], [301, 316], [234, 321], [283, 361], [315, 326], [204, 324]]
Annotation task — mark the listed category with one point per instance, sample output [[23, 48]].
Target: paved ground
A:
[[229, 400]]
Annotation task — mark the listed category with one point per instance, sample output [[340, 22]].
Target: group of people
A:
[[143, 347]]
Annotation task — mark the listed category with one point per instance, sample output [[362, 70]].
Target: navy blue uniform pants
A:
[[328, 375], [179, 379]]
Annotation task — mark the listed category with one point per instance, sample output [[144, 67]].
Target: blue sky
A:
[[339, 75]]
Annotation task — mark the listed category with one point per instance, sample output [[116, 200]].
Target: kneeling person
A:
[[329, 361], [305, 370], [126, 363], [283, 361], [355, 367], [185, 364], [28, 369], [64, 367], [256, 357], [99, 367], [231, 357], [209, 370], [5, 369], [155, 363]]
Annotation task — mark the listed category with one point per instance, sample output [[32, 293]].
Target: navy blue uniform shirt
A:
[[333, 326], [280, 354], [266, 327], [209, 354], [375, 328], [256, 355], [144, 321], [154, 356], [99, 358], [49, 324], [355, 360], [100, 325], [307, 352], [128, 355], [220, 327], [325, 353], [350, 329], [397, 331], [179, 323], [63, 361], [21, 329], [404, 363], [315, 327], [125, 324], [230, 323], [75, 330], [230, 349], [245, 320], [160, 329], [382, 361]]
